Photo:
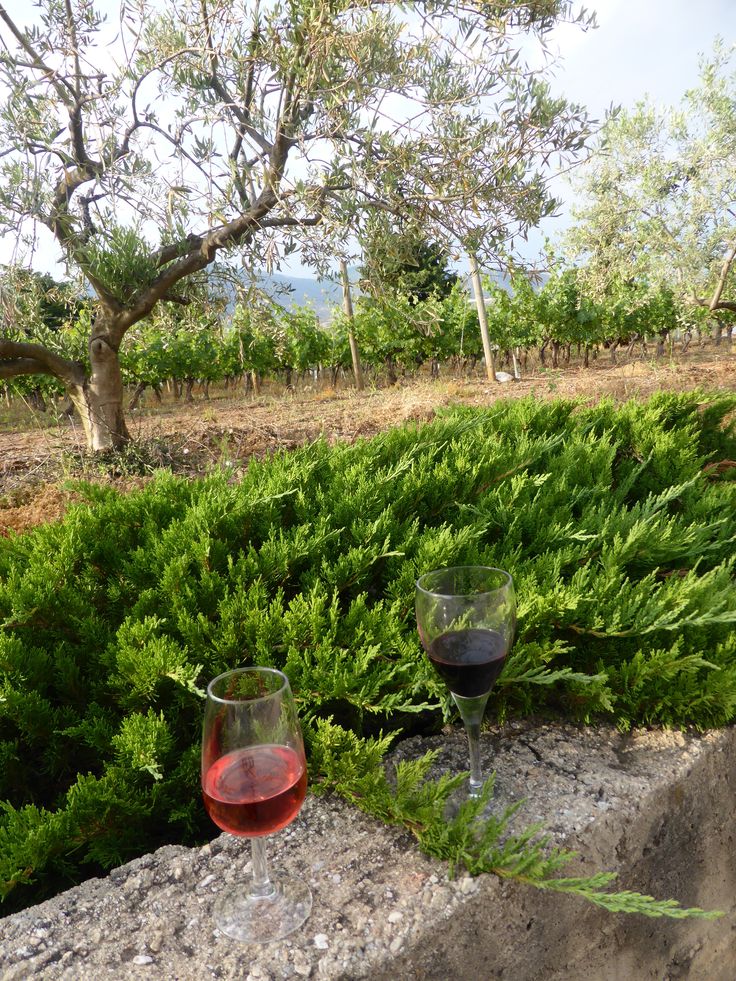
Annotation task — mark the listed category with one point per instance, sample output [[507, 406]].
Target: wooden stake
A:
[[482, 319]]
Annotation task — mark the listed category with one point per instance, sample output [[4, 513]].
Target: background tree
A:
[[35, 306], [36, 300], [398, 259], [658, 211], [216, 125]]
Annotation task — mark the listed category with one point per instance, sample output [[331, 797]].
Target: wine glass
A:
[[466, 617], [254, 780]]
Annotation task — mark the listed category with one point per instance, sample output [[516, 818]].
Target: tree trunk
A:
[[725, 269], [137, 395], [36, 400], [99, 400]]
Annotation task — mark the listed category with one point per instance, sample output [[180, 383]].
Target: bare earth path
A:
[[227, 430]]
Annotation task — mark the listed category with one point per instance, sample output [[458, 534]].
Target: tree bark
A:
[[99, 399], [725, 269]]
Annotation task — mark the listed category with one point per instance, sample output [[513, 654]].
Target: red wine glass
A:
[[254, 780], [466, 617]]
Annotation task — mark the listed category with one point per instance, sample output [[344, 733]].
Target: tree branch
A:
[[241, 115], [289, 222], [15, 367], [63, 89], [198, 258], [715, 303], [703, 301], [17, 357]]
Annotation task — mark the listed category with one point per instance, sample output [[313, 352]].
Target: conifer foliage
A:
[[618, 525]]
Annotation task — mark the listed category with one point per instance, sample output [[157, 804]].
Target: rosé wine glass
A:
[[254, 780], [466, 617]]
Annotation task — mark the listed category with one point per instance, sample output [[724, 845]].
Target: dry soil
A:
[[37, 457]]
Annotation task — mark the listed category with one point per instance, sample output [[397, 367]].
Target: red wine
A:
[[255, 791], [468, 661]]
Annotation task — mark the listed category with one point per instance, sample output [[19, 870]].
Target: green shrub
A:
[[619, 535]]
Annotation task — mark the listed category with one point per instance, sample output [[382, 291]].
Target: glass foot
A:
[[262, 919]]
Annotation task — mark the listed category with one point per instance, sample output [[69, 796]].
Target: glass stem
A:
[[261, 886], [476, 778], [471, 711]]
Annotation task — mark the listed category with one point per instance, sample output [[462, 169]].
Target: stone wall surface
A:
[[654, 806]]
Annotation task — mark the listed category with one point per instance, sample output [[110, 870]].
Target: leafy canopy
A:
[[657, 201], [210, 124]]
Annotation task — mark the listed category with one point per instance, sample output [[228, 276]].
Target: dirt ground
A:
[[38, 459]]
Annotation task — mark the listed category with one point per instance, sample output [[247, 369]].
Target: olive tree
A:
[[658, 200], [198, 129]]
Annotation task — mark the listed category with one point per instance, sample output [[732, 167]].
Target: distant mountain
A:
[[324, 295], [298, 291]]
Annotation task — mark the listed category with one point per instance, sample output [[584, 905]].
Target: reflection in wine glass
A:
[[254, 780], [466, 617]]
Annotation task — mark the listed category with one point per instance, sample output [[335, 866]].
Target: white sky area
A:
[[640, 48]]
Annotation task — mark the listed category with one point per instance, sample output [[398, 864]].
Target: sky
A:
[[641, 47]]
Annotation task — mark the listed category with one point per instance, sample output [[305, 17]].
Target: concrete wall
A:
[[656, 807]]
